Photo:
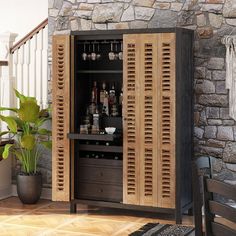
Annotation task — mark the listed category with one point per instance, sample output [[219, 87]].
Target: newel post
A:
[[7, 81]]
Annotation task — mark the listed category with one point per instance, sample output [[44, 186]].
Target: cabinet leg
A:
[[190, 211], [73, 207], [178, 218]]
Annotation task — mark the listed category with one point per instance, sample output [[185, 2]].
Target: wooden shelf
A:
[[100, 148], [3, 63], [96, 137], [99, 71]]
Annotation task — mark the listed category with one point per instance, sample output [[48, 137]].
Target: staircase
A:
[[30, 67], [24, 66]]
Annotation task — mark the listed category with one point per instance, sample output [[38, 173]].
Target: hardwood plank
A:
[[131, 132], [149, 122], [53, 218], [166, 165]]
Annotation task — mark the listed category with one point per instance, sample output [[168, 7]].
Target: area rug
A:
[[156, 229]]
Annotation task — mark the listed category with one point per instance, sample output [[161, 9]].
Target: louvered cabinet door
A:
[[61, 118], [167, 118], [131, 113], [149, 119]]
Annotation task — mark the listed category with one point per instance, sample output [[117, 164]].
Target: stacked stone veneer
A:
[[215, 131]]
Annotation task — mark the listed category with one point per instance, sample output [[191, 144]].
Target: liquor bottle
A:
[[103, 93], [105, 107], [112, 95], [95, 93], [96, 123], [112, 102], [104, 99], [87, 119]]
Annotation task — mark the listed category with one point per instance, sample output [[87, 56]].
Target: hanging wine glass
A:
[[84, 54], [93, 54], [116, 51], [111, 54], [89, 52], [98, 53], [121, 51]]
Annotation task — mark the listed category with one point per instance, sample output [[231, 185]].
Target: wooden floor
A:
[[50, 218]]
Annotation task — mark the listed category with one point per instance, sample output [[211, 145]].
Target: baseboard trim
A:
[[46, 192], [5, 192]]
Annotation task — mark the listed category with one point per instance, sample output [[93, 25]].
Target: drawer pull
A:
[[101, 190], [101, 174]]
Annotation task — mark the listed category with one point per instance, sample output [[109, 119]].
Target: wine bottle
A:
[[95, 93]]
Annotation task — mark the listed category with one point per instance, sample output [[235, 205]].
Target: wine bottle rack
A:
[[97, 137], [100, 148]]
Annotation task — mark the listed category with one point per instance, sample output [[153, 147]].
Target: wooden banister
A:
[[29, 36], [3, 63]]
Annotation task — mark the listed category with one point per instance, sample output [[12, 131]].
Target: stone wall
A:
[[215, 131]]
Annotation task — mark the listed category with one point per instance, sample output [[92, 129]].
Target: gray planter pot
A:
[[29, 188]]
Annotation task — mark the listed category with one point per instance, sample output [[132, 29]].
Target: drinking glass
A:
[[89, 52], [120, 55], [116, 51], [98, 53], [111, 54], [84, 54], [93, 54]]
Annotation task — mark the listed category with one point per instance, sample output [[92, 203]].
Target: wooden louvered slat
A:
[[166, 165], [130, 124], [148, 119], [60, 118]]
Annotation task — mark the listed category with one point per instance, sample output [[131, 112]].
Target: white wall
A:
[[21, 16]]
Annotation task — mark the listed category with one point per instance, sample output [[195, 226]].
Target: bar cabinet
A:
[[146, 164]]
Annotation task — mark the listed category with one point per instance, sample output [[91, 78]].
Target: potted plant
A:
[[25, 127]]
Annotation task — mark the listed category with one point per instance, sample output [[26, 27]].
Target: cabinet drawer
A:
[[98, 174], [100, 192], [96, 171], [100, 162]]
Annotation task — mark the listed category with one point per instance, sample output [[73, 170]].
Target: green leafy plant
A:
[[25, 128]]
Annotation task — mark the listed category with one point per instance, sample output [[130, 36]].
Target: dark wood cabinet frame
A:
[[184, 119]]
